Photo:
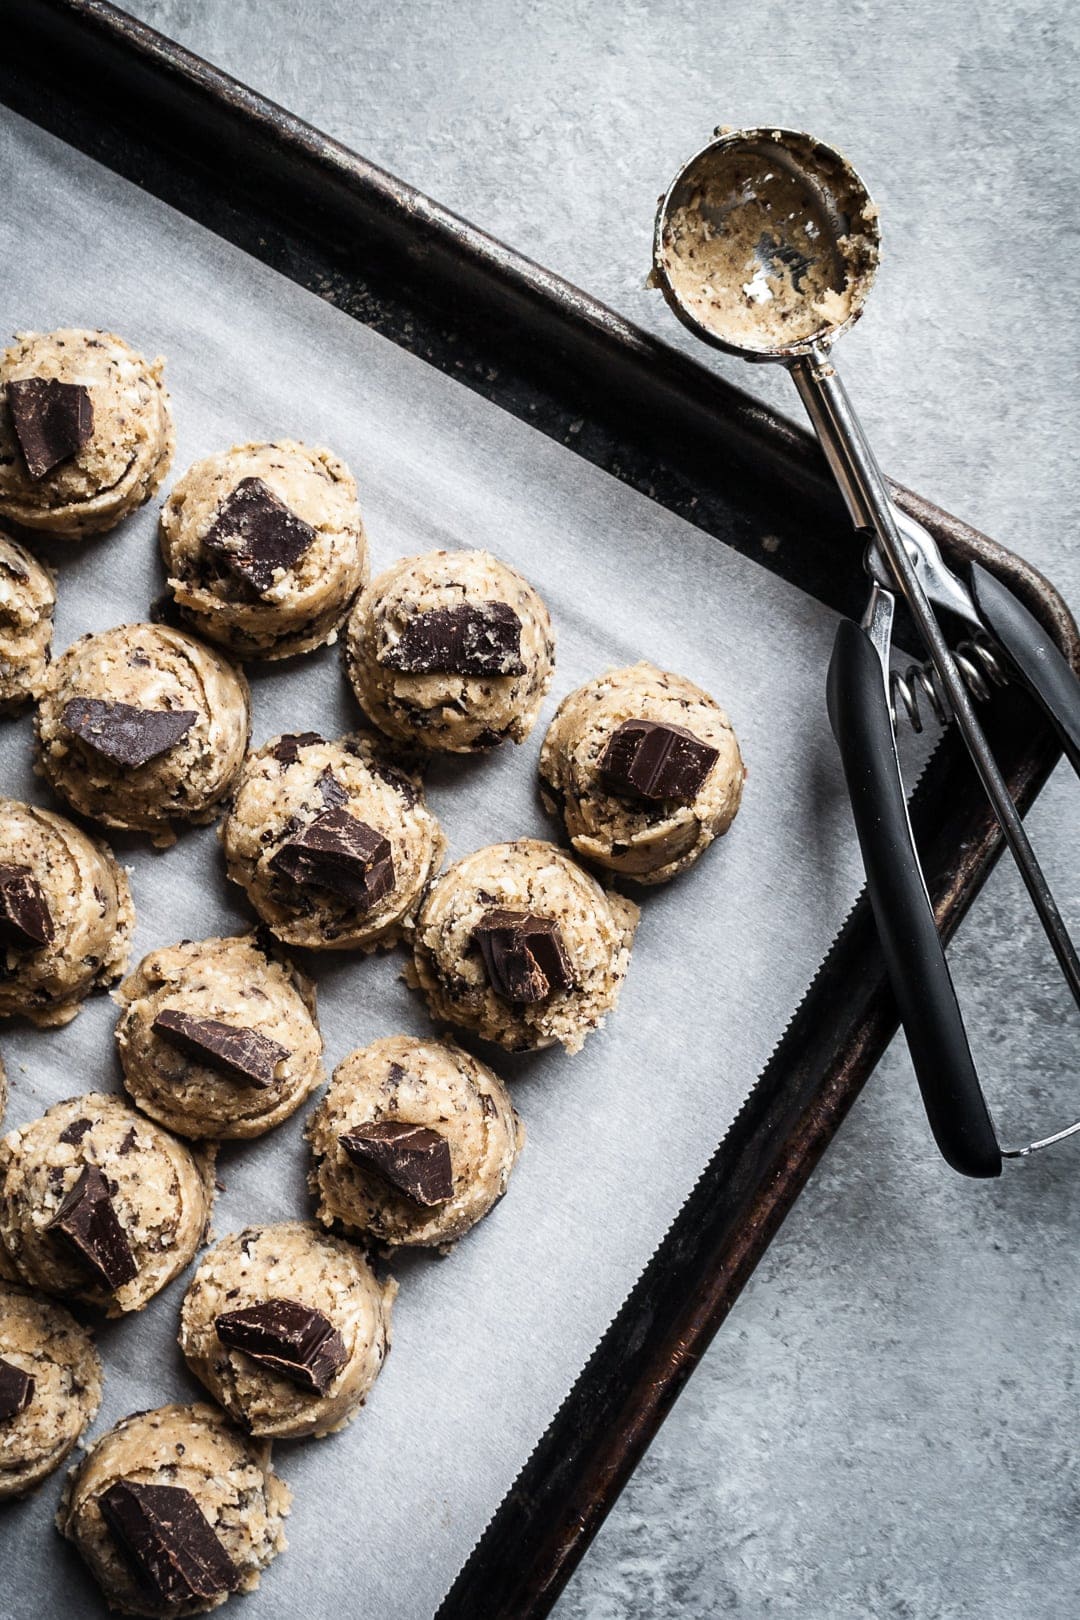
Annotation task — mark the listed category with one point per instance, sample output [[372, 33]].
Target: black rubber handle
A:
[[859, 713], [1041, 665]]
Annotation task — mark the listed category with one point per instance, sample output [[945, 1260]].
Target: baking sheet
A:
[[487, 1341]]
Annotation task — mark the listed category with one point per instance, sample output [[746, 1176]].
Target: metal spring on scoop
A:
[[979, 665]]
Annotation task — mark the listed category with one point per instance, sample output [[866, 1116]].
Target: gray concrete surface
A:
[[886, 1425]]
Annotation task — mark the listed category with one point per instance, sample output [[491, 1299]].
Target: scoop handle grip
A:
[[1041, 665], [861, 722]]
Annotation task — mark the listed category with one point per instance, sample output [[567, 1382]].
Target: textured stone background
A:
[[885, 1427]]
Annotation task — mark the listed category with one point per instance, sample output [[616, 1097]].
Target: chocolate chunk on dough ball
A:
[[218, 1037], [142, 727], [50, 1388], [452, 650], [332, 845], [288, 1328], [65, 915], [99, 1204], [644, 769], [413, 1142], [27, 600], [85, 431], [265, 548], [519, 944], [173, 1510]]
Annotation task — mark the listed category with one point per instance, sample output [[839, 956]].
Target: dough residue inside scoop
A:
[[766, 253]]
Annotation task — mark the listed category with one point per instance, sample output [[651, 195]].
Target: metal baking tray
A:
[[547, 353]]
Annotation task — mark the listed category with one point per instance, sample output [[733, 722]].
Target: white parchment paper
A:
[[487, 1341]]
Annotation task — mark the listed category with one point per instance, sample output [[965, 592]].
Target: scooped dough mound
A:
[[89, 915], [218, 1037], [439, 1087], [427, 673], [128, 450], [27, 599], [160, 1191], [189, 1448], [297, 1262], [528, 879], [332, 844], [141, 727], [292, 582], [44, 1343], [649, 839]]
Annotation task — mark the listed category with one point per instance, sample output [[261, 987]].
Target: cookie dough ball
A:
[[27, 600], [264, 548], [85, 431], [452, 650], [332, 845], [644, 770], [519, 944], [180, 1478], [288, 1328], [50, 1388], [413, 1143], [65, 915], [99, 1204], [142, 726], [218, 1037]]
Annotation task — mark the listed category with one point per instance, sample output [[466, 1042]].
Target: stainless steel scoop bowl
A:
[[766, 243]]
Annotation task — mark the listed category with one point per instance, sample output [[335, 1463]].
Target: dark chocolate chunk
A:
[[287, 748], [397, 779], [296, 1341], [331, 792], [255, 534], [524, 955], [338, 852], [25, 919], [52, 421], [475, 638], [75, 1131], [168, 1542], [645, 759], [88, 1223], [124, 734], [411, 1158], [16, 1390], [242, 1054]]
